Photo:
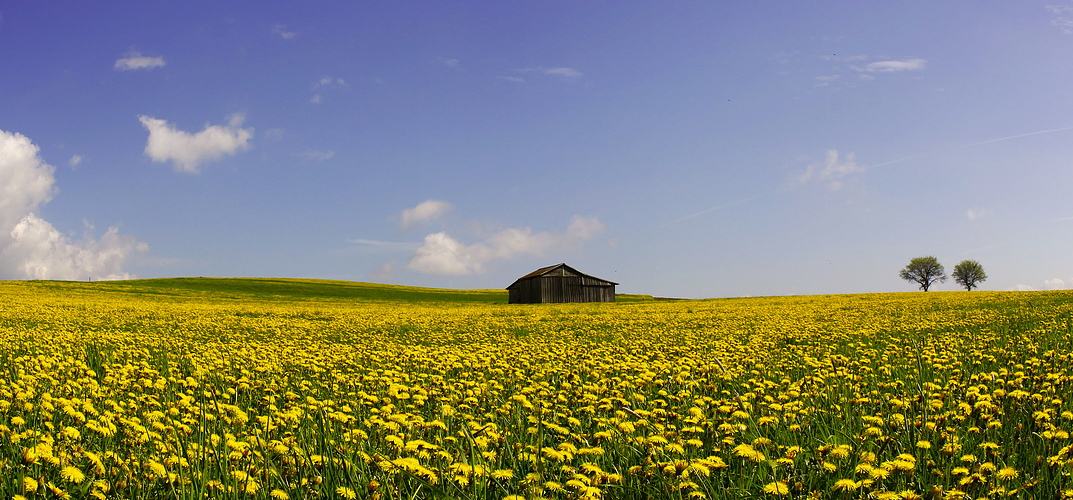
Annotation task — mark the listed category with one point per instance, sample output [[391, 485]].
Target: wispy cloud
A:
[[320, 155], [384, 246], [977, 213], [846, 71], [188, 151], [832, 171], [135, 61], [826, 80], [75, 161], [280, 30], [450, 62], [1063, 17], [559, 72], [383, 273], [425, 211], [563, 72], [895, 66], [442, 254], [325, 83], [514, 79]]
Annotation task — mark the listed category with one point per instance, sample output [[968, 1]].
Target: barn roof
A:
[[545, 270]]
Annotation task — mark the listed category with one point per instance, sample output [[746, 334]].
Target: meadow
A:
[[292, 389]]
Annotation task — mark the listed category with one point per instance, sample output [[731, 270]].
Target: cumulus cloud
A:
[[832, 171], [894, 66], [1055, 284], [30, 247], [423, 212], [135, 60], [443, 254], [188, 151]]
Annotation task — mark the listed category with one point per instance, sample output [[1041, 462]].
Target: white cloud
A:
[[75, 161], [325, 83], [30, 247], [514, 79], [26, 182], [825, 80], [1055, 284], [563, 72], [832, 171], [442, 254], [977, 213], [135, 60], [449, 62], [1062, 17], [893, 66], [320, 155], [385, 246], [281, 30], [423, 212], [188, 151], [1020, 287], [328, 81], [383, 273]]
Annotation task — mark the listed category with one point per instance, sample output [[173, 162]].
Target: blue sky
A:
[[696, 149]]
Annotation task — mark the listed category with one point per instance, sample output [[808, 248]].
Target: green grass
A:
[[284, 289]]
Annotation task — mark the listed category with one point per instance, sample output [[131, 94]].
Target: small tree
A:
[[968, 274], [924, 271]]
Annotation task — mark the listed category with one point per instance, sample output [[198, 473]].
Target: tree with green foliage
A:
[[969, 274], [924, 271]]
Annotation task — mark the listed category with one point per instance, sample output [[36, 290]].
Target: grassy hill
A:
[[284, 289]]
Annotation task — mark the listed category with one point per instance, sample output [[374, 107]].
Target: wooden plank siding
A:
[[559, 284]]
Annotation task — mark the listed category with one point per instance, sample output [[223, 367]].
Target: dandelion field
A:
[[289, 389]]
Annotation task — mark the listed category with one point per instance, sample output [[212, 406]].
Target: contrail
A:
[[730, 204], [891, 162], [1038, 132]]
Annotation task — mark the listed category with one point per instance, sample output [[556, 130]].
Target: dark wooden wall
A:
[[559, 289]]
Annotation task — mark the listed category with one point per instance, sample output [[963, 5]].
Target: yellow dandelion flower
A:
[[846, 485], [279, 494], [29, 484], [346, 493], [503, 474], [157, 469], [777, 488], [747, 451], [1006, 473], [71, 474]]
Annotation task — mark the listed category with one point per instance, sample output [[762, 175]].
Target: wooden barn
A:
[[560, 283]]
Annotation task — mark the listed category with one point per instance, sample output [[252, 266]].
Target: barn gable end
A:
[[560, 283]]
